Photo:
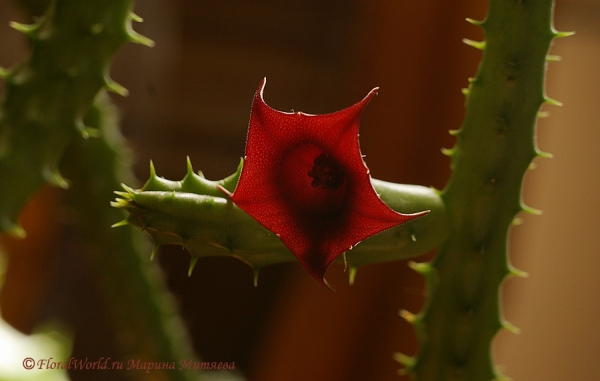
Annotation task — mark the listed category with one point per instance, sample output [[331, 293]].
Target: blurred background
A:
[[191, 95]]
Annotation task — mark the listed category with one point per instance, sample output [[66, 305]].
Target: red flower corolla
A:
[[304, 179]]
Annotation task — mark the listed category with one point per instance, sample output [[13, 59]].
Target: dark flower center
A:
[[326, 173]]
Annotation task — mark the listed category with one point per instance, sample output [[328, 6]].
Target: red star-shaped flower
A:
[[305, 180]]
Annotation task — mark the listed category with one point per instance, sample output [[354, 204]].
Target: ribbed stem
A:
[[494, 148], [48, 95], [140, 307]]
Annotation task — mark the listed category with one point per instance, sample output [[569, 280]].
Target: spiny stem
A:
[[495, 146], [48, 95], [139, 305], [194, 213]]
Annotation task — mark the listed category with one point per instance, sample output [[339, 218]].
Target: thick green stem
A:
[[494, 148], [48, 95], [195, 213], [142, 309]]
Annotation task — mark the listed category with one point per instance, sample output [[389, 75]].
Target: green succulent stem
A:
[[494, 148], [48, 95], [194, 213], [141, 309]]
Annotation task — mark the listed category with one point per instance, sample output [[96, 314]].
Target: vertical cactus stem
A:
[[494, 148], [49, 93]]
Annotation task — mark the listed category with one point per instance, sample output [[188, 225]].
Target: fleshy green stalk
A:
[[141, 308], [194, 213], [48, 95], [495, 147]]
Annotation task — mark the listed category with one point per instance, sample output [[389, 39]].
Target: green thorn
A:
[[152, 169], [122, 194], [420, 267], [255, 277], [154, 251], [510, 327], [454, 132], [544, 155], [129, 190], [476, 44], [518, 273], [408, 316], [517, 221], [55, 178], [563, 34], [120, 223], [465, 91], [448, 151], [193, 261], [28, 29], [553, 102], [115, 87], [498, 376], [407, 361], [190, 168], [352, 275], [140, 39], [474, 22], [553, 58], [135, 17], [16, 231], [85, 131], [531, 210], [543, 114]]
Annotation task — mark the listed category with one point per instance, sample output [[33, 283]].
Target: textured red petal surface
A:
[[305, 180]]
